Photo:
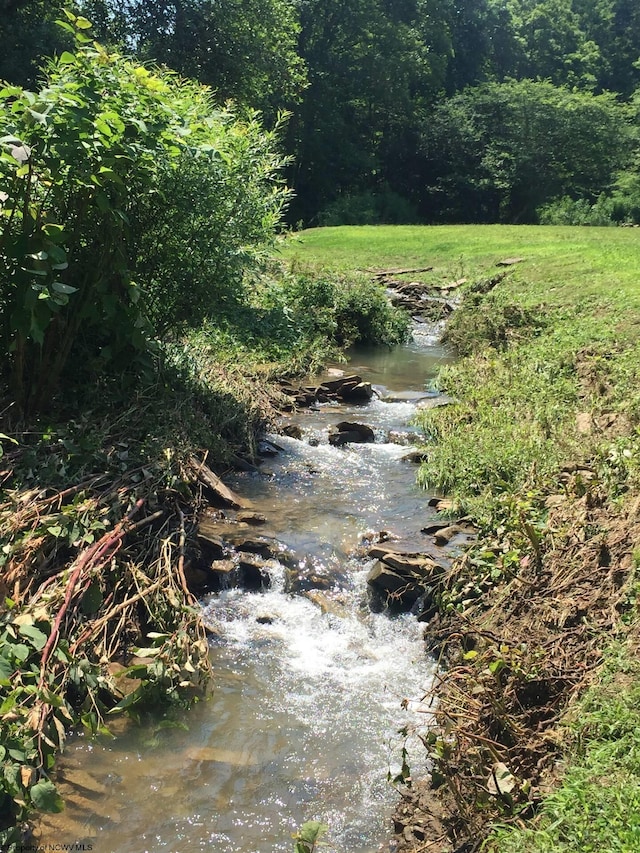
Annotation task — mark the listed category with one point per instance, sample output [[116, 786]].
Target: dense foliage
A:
[[126, 193], [365, 80], [498, 151]]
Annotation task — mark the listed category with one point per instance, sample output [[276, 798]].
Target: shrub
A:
[[385, 207], [107, 158]]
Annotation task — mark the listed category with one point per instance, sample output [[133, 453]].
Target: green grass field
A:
[[552, 254], [563, 266]]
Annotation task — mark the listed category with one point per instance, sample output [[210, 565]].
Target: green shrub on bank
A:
[[129, 201], [369, 208], [342, 309]]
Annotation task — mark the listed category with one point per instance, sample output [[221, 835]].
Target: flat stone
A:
[[253, 518], [444, 536], [509, 262], [223, 567], [334, 385], [385, 578], [292, 431]]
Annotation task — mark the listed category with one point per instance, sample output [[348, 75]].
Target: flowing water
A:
[[304, 718]]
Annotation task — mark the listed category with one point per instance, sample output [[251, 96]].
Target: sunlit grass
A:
[[597, 808]]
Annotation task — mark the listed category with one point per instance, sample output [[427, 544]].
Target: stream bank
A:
[[539, 450]]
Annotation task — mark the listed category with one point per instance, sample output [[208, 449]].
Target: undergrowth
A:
[[540, 447], [597, 807]]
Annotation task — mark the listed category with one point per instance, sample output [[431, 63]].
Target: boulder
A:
[[347, 432], [416, 457], [359, 392], [445, 535], [334, 386], [410, 567], [388, 589], [292, 430], [403, 578], [211, 545], [268, 448]]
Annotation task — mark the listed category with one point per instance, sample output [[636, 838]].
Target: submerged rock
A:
[[327, 605], [253, 518]]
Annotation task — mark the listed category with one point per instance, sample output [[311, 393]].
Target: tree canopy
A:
[[370, 84]]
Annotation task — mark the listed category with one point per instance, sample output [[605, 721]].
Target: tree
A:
[[28, 32], [554, 43], [499, 151], [371, 75], [246, 50]]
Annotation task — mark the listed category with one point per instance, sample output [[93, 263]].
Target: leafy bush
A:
[[369, 208], [343, 309], [569, 211], [75, 160], [479, 323]]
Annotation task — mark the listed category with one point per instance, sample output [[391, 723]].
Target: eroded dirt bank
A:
[[525, 615]]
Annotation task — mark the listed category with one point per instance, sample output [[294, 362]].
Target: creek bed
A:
[[304, 718]]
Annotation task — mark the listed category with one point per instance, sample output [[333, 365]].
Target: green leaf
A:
[[67, 58], [65, 26], [91, 600], [311, 831], [17, 754], [6, 671], [35, 635], [41, 118], [149, 652], [83, 23], [129, 700], [45, 797], [54, 232], [66, 289], [20, 652]]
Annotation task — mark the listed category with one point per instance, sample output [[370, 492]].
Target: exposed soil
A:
[[512, 662]]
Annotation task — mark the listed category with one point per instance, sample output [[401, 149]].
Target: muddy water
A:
[[304, 718]]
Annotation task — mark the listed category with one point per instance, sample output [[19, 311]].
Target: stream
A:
[[304, 718]]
